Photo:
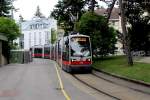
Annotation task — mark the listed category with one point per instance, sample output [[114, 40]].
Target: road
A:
[[37, 81], [43, 80]]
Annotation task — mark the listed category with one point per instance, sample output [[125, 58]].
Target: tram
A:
[[73, 52], [37, 52], [46, 51], [41, 51]]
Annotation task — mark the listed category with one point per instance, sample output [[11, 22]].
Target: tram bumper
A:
[[86, 68]]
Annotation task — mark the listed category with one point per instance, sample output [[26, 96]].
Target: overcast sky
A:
[[27, 8]]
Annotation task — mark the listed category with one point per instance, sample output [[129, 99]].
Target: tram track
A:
[[137, 90], [110, 88], [98, 90]]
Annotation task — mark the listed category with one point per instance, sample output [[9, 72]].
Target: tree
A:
[[9, 28], [103, 38], [145, 4], [21, 19], [5, 7], [38, 12], [92, 4], [126, 38], [110, 7], [68, 12], [139, 29]]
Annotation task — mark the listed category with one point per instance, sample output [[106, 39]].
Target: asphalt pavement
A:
[[33, 81], [42, 79], [37, 80]]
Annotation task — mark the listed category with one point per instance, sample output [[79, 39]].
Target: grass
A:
[[118, 65]]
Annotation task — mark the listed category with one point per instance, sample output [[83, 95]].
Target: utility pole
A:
[[125, 33]]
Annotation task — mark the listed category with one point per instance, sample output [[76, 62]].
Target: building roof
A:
[[27, 24], [103, 12]]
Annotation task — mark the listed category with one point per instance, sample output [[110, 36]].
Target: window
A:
[[66, 49], [40, 38], [29, 39], [46, 37], [34, 38]]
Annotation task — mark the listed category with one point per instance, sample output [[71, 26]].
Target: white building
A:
[[37, 32]]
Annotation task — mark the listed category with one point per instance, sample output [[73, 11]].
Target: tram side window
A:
[[65, 51], [59, 49]]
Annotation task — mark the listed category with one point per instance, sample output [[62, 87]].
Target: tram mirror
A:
[[67, 42]]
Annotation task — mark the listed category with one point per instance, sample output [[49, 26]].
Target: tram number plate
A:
[[81, 62], [81, 59]]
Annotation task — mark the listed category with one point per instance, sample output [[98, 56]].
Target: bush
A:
[[103, 37]]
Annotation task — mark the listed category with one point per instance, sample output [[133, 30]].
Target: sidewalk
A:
[[115, 79], [143, 59]]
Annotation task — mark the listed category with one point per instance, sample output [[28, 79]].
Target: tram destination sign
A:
[[80, 39]]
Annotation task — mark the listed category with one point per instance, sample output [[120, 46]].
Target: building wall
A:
[[37, 32], [116, 24], [3, 59], [36, 37]]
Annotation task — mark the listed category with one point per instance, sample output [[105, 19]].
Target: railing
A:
[[140, 53], [20, 56]]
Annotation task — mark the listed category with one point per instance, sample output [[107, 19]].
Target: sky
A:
[[27, 8]]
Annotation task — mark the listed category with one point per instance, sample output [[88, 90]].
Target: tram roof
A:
[[73, 35]]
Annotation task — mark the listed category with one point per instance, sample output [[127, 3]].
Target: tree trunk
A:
[[93, 2], [125, 35], [110, 10]]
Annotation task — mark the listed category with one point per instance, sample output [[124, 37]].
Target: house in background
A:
[[36, 32], [115, 22]]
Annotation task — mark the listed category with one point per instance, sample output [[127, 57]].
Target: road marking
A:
[[61, 84]]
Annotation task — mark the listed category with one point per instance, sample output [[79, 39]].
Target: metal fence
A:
[[140, 53], [20, 56]]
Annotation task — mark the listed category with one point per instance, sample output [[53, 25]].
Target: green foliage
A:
[[67, 12], [103, 38], [5, 6], [145, 4], [53, 36], [9, 28], [139, 31]]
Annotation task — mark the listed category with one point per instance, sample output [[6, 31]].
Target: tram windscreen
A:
[[80, 47], [38, 50]]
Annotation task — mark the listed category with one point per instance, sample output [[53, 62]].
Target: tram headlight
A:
[[73, 60], [88, 59]]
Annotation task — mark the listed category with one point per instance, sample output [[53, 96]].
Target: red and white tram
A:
[[73, 52]]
